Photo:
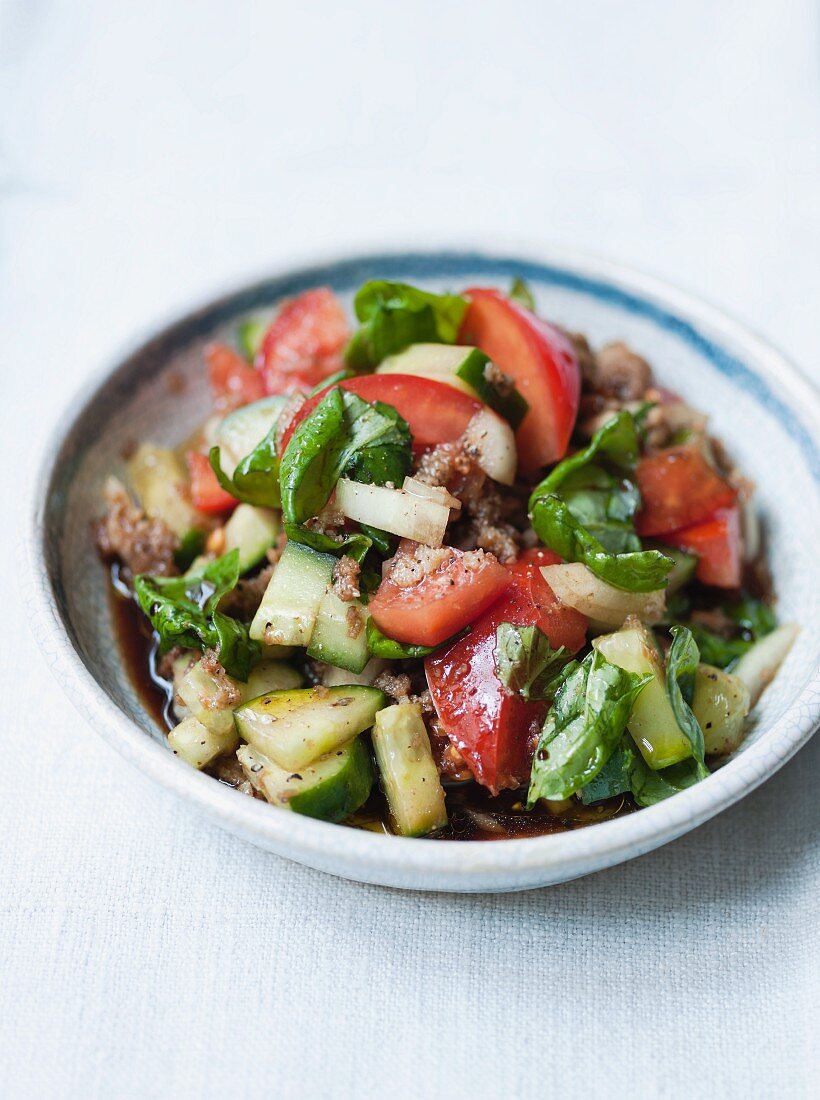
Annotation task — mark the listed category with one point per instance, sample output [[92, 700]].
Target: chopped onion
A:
[[578, 587], [758, 667], [435, 493], [393, 510], [492, 442]]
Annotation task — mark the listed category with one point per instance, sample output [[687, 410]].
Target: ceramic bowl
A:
[[759, 405]]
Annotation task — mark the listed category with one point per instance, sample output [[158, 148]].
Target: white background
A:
[[153, 151]]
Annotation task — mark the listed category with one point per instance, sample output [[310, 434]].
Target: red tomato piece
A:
[[543, 364], [206, 492], [678, 489], [435, 412], [304, 343], [719, 545], [493, 728], [429, 595], [233, 381]]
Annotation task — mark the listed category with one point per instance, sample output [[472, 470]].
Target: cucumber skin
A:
[[339, 796], [511, 406]]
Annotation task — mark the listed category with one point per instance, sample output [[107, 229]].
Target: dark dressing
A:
[[474, 814]]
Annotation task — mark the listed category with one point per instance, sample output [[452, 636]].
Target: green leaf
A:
[[395, 315], [525, 661], [183, 611], [755, 618], [681, 665], [584, 510], [650, 787], [338, 376], [256, 479], [501, 396], [388, 648], [717, 650], [613, 778], [343, 436], [190, 547], [521, 293], [382, 541], [583, 727], [354, 546]]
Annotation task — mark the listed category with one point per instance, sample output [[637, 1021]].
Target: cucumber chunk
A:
[[242, 430], [198, 745], [270, 676], [339, 637], [196, 692], [408, 772], [249, 336], [720, 702], [160, 482], [199, 690], [294, 728], [652, 721], [759, 665], [334, 677], [252, 531], [331, 788], [290, 605]]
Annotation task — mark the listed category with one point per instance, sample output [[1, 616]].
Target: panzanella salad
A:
[[445, 572]]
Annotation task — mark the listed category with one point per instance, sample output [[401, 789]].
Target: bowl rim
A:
[[370, 856]]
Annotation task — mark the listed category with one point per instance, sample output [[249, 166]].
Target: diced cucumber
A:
[[270, 676], [160, 482], [294, 728], [287, 613], [408, 772], [331, 788], [720, 702], [334, 677], [199, 690], [652, 721], [241, 431], [197, 745], [339, 637], [253, 531], [759, 665], [249, 336]]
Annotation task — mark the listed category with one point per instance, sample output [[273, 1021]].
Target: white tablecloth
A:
[[151, 152]]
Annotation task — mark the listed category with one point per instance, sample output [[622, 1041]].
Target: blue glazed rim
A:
[[448, 865]]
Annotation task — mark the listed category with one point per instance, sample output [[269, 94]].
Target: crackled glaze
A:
[[759, 406]]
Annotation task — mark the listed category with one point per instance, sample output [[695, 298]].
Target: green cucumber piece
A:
[[243, 429], [684, 568], [199, 691], [652, 721], [720, 702], [408, 772], [294, 728], [290, 605], [160, 482], [196, 691], [331, 788], [252, 531], [335, 677], [268, 676], [249, 336], [503, 399], [339, 637], [198, 745]]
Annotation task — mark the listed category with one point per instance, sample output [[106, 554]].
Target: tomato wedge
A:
[[543, 364], [206, 492], [429, 595], [494, 729], [678, 489], [718, 544], [233, 381], [435, 412], [304, 343]]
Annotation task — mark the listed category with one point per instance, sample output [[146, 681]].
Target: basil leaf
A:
[[613, 778], [382, 646], [183, 611], [395, 315], [521, 293], [525, 661], [717, 650], [338, 376], [382, 541], [755, 618], [256, 479], [650, 787], [584, 510], [190, 547], [681, 665], [354, 546], [583, 727], [344, 435]]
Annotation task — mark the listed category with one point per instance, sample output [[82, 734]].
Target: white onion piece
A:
[[758, 667], [578, 587], [435, 493], [393, 510], [492, 441]]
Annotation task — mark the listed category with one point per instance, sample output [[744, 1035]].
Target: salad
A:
[[446, 572]]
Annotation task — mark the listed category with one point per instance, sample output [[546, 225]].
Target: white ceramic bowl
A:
[[760, 406]]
